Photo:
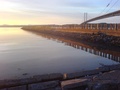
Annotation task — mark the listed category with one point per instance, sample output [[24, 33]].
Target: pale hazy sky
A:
[[53, 11]]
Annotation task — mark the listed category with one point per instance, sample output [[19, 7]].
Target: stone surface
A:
[[114, 67], [34, 79], [112, 75], [93, 72], [3, 89], [110, 67], [59, 76], [18, 88], [44, 86], [26, 81], [103, 85], [119, 86], [97, 77], [58, 88], [42, 77], [6, 83], [56, 76], [106, 81], [74, 84], [104, 69], [47, 77], [82, 74]]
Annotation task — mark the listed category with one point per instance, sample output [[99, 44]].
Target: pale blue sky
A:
[[53, 11]]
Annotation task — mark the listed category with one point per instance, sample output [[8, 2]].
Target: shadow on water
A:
[[99, 51]]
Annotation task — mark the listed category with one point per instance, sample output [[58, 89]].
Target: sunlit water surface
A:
[[23, 52]]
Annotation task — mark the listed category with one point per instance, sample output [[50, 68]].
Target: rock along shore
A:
[[100, 40], [102, 78]]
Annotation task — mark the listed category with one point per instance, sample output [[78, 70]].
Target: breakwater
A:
[[108, 28], [69, 81], [100, 39]]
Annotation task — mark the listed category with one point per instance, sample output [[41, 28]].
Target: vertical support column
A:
[[87, 26], [116, 26], [97, 26], [110, 26], [91, 26], [107, 26], [108, 56]]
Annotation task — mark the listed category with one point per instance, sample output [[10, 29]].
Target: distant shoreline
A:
[[14, 26]]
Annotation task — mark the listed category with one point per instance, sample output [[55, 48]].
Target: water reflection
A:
[[112, 55], [24, 52]]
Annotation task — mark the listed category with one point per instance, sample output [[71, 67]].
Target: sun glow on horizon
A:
[[24, 12], [6, 6]]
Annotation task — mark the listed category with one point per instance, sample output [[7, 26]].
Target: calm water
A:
[[24, 52]]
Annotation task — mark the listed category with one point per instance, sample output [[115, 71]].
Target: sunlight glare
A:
[[7, 6]]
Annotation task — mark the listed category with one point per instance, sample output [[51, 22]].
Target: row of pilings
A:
[[101, 26], [90, 26]]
